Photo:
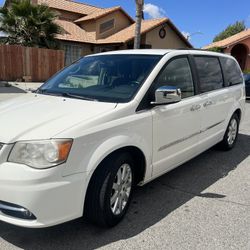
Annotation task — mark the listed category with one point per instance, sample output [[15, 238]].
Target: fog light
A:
[[16, 211]]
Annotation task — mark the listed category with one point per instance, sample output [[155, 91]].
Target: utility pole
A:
[[139, 11]]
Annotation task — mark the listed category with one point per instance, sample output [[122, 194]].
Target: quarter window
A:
[[232, 71], [209, 72], [177, 73]]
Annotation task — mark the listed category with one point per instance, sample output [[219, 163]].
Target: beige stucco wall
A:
[[89, 26], [121, 22], [171, 40]]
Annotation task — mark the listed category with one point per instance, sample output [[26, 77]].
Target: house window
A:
[[107, 25], [72, 53]]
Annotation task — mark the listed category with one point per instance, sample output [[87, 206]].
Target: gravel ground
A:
[[203, 204]]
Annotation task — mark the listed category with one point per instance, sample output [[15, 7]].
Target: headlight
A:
[[41, 154]]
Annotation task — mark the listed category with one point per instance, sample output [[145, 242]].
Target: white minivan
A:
[[81, 143]]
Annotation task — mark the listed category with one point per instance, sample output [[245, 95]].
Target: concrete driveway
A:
[[203, 204]]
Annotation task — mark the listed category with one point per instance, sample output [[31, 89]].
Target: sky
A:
[[200, 20]]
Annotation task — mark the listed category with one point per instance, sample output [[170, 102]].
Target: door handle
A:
[[208, 103], [195, 107]]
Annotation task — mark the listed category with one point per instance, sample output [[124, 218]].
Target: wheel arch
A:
[[136, 153], [236, 109], [239, 113], [140, 163]]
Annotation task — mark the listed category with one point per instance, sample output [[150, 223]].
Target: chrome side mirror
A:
[[166, 95]]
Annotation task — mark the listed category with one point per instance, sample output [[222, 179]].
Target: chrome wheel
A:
[[121, 189], [232, 131]]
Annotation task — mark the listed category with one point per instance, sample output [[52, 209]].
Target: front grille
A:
[[1, 145]]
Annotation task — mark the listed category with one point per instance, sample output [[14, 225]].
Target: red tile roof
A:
[[98, 14], [71, 6], [230, 40], [129, 33], [72, 32]]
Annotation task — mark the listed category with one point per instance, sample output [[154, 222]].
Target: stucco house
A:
[[238, 46], [89, 29]]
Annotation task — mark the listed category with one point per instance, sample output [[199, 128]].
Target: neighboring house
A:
[[238, 46], [89, 29]]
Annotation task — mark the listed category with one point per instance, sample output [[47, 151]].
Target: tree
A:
[[29, 25], [231, 30], [139, 13]]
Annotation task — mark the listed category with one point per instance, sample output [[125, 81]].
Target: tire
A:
[[107, 201], [231, 133]]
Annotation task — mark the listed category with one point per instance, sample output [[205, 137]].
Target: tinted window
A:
[[177, 73], [107, 78], [209, 72], [232, 71]]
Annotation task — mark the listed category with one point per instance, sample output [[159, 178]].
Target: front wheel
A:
[[231, 133], [110, 190]]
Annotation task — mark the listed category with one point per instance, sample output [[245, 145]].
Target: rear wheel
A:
[[231, 133], [110, 190]]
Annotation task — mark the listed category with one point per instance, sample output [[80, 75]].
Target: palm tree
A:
[[139, 12], [29, 25]]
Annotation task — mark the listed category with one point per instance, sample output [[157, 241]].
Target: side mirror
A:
[[166, 95]]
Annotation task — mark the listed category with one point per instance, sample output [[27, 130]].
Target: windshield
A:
[[105, 78]]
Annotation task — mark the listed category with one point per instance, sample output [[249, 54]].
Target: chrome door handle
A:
[[208, 103], [195, 107]]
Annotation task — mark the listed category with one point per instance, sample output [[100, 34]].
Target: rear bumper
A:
[[51, 198]]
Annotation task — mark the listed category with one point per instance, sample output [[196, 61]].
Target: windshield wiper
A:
[[46, 92], [65, 94]]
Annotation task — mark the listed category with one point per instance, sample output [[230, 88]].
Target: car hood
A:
[[33, 117]]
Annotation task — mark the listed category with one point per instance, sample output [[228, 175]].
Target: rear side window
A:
[[178, 74], [231, 71], [209, 72]]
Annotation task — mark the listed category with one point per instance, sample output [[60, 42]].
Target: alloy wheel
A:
[[232, 131], [121, 189]]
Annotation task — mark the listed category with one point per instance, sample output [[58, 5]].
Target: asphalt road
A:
[[203, 204]]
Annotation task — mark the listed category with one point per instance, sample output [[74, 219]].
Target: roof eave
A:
[[228, 44], [168, 21], [105, 14]]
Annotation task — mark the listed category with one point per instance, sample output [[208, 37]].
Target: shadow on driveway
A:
[[11, 90], [151, 204]]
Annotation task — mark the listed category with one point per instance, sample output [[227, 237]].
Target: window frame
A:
[[170, 61], [226, 81], [197, 72], [106, 30], [145, 102]]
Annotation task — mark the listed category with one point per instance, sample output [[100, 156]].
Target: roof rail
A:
[[192, 49]]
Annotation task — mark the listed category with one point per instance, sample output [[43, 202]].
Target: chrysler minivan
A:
[[81, 143]]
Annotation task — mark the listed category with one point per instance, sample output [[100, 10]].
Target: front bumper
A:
[[51, 198]]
